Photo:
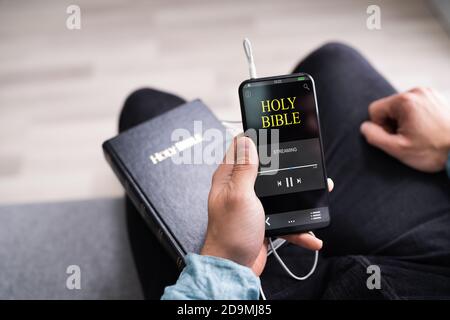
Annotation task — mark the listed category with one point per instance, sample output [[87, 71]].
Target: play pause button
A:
[[289, 182]]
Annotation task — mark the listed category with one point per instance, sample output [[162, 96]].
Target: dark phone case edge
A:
[[303, 228]]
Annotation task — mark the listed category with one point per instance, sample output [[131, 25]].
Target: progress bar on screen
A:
[[314, 165]]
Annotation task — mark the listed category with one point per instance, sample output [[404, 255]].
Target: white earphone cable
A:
[[274, 248]]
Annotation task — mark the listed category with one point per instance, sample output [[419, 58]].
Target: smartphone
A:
[[281, 116]]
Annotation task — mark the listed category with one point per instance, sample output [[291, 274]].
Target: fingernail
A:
[[320, 242]]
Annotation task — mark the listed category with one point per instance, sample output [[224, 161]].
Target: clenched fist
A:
[[413, 127]]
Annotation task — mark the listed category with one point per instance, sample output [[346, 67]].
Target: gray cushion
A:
[[39, 241]]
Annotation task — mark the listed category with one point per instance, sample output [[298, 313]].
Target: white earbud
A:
[[251, 62]]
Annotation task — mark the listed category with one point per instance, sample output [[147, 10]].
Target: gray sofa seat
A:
[[38, 242]]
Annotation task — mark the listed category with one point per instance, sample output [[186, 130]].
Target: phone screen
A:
[[282, 115]]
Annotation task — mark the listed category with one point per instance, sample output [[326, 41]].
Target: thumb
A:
[[245, 167], [380, 138]]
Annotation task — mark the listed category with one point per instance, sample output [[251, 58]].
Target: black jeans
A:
[[383, 213]]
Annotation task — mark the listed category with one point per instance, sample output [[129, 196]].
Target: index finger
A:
[[305, 240], [383, 109]]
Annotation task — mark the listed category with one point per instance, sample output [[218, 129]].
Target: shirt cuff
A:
[[207, 277]]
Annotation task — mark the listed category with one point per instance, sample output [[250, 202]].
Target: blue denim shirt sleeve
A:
[[206, 277]]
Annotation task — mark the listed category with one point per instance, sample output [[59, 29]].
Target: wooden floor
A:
[[61, 90]]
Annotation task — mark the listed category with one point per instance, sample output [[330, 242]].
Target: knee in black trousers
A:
[[330, 57], [144, 104]]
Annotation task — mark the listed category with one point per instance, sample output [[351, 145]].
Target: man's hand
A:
[[413, 127], [236, 216]]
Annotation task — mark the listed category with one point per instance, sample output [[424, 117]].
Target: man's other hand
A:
[[413, 127]]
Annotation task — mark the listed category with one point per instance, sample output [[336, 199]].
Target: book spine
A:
[[147, 212]]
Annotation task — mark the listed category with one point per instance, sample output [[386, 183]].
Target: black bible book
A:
[[165, 165]]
